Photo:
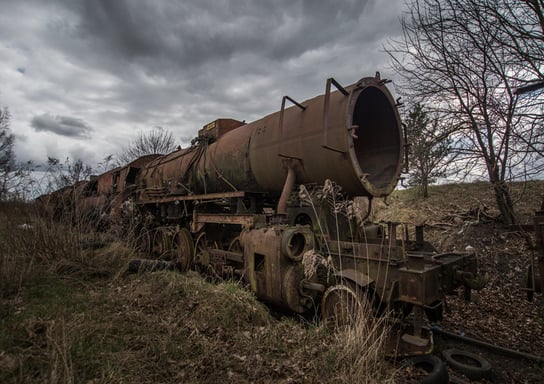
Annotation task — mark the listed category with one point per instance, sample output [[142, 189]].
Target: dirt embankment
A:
[[459, 216]]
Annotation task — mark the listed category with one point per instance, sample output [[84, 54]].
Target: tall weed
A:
[[356, 352]]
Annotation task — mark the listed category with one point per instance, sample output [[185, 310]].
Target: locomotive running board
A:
[[218, 218], [207, 196]]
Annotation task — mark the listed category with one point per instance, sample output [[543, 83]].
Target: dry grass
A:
[[359, 352], [32, 246], [447, 201], [69, 314], [356, 352]]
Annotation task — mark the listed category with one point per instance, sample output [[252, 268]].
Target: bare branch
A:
[[156, 141], [466, 58]]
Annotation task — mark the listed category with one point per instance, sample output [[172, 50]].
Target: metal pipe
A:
[[286, 192], [313, 286]]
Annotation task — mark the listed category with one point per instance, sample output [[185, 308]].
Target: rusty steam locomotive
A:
[[260, 202]]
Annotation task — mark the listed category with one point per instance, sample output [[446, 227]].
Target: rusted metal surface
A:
[[169, 174], [535, 270], [118, 179], [326, 108], [218, 128], [270, 269], [287, 190], [539, 230], [245, 220], [209, 196], [105, 182], [372, 159]]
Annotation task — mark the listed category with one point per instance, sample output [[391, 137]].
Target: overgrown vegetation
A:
[[457, 216], [69, 313]]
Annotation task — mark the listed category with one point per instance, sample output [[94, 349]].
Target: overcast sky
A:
[[81, 77]]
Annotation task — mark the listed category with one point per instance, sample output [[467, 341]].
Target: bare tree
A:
[[428, 149], [15, 181], [7, 158], [68, 173], [156, 141], [453, 55]]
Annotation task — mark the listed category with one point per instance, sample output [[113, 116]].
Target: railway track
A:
[[471, 360]]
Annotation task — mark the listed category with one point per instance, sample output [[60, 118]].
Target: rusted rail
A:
[[488, 345]]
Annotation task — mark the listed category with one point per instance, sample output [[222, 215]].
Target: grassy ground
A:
[[70, 314], [458, 200]]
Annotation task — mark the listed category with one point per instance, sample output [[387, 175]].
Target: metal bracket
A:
[[325, 136], [281, 120]]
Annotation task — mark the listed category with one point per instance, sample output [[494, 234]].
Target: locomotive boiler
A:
[[271, 203], [352, 136]]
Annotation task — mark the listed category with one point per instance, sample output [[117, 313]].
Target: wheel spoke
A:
[[184, 248], [235, 245]]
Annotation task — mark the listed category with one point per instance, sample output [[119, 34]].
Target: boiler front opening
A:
[[378, 138]]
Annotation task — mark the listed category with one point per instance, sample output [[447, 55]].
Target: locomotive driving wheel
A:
[[184, 248], [200, 252], [162, 243], [204, 260], [143, 242], [235, 245], [345, 305]]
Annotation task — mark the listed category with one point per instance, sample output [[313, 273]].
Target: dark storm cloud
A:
[[187, 52], [188, 33], [61, 125], [126, 65]]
